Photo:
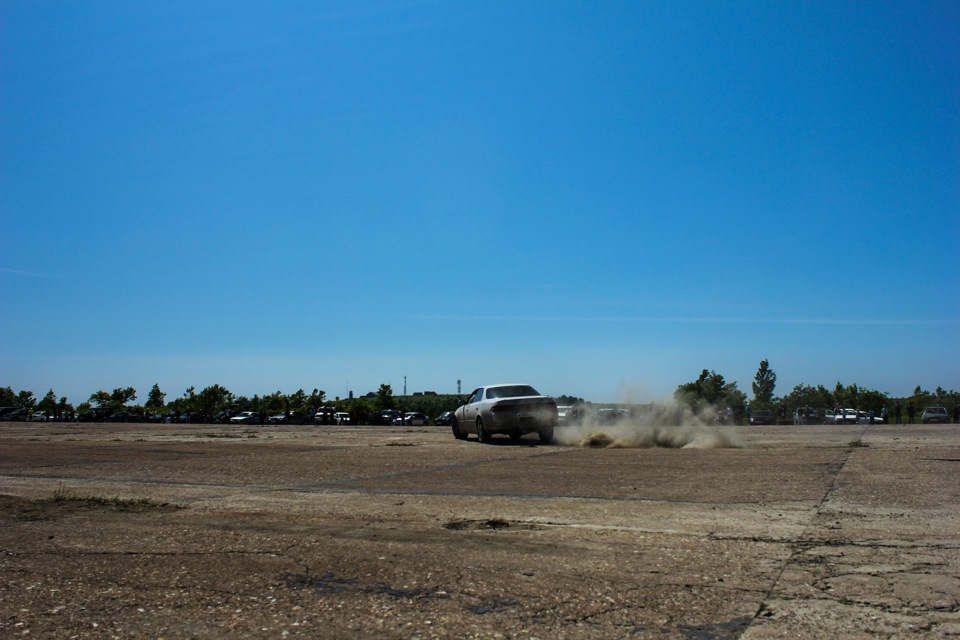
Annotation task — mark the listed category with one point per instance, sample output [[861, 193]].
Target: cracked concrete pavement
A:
[[212, 531]]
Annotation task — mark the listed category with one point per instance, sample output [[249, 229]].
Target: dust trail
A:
[[667, 426]]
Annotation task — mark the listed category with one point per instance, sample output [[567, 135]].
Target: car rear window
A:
[[511, 391]]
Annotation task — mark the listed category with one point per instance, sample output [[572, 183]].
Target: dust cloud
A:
[[664, 425]]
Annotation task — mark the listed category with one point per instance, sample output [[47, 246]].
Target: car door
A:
[[470, 411]]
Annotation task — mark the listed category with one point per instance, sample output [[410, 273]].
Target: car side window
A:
[[477, 396]]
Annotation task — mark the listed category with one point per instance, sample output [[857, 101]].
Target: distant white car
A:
[[343, 417], [513, 409], [39, 416], [246, 417], [864, 417], [842, 416]]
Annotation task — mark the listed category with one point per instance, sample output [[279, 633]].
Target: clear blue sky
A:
[[600, 199]]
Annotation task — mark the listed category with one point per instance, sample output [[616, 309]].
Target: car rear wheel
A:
[[455, 427], [482, 434]]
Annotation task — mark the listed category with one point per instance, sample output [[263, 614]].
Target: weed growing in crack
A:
[[63, 496]]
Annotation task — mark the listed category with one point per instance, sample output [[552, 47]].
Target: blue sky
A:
[[600, 199]]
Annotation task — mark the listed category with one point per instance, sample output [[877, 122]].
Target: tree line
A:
[[710, 389], [216, 398]]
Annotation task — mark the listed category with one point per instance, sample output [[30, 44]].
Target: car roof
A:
[[508, 384]]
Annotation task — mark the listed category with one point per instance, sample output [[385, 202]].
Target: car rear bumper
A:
[[525, 421]]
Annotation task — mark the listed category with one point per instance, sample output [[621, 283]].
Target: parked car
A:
[[513, 409], [444, 418], [387, 416], [412, 419], [39, 416], [806, 415], [934, 414], [869, 417], [290, 417], [762, 416], [850, 416], [246, 417], [96, 414], [608, 415], [342, 417], [325, 415], [841, 416], [17, 415]]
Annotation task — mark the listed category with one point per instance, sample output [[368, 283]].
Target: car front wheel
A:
[[546, 435], [457, 433]]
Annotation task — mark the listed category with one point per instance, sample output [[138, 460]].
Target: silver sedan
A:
[[513, 409]]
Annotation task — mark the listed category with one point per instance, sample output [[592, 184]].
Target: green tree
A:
[[156, 399], [805, 396], [63, 406], [710, 389], [919, 399], [115, 400], [121, 397], [763, 385], [7, 397], [385, 398], [273, 403], [49, 403], [212, 399], [99, 398], [26, 400], [297, 401], [847, 396], [871, 400], [185, 403], [316, 400], [359, 409]]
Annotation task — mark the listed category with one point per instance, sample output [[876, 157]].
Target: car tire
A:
[[482, 434], [457, 433], [546, 435]]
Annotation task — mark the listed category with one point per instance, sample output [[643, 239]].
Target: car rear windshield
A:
[[512, 391]]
